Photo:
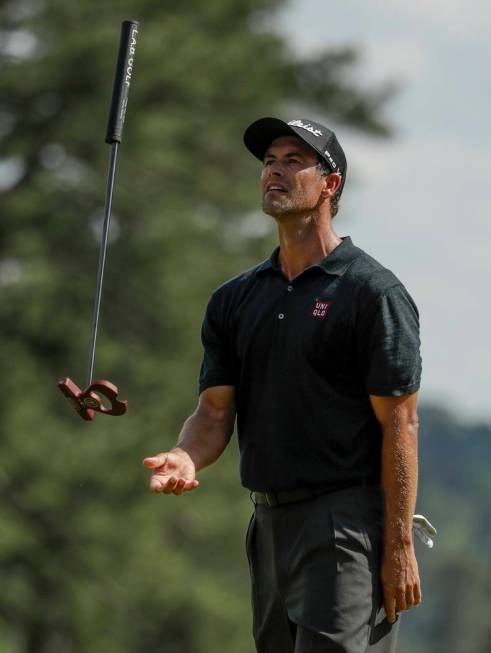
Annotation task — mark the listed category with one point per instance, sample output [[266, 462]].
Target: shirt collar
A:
[[337, 262]]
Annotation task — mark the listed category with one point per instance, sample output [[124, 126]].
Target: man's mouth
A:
[[275, 188]]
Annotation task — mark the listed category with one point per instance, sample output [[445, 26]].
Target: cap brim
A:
[[261, 133]]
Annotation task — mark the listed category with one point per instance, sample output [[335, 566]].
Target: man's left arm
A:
[[399, 573]]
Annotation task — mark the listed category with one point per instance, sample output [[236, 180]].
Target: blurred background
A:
[[89, 560]]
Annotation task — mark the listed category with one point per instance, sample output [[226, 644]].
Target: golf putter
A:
[[87, 402]]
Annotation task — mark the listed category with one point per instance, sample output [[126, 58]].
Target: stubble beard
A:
[[285, 205], [278, 206]]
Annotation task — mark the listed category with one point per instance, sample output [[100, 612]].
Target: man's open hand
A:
[[173, 472], [400, 580]]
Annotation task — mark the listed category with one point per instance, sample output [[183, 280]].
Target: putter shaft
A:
[[102, 257]]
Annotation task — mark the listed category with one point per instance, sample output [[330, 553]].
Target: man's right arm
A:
[[204, 437]]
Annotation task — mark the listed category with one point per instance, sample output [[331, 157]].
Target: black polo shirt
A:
[[304, 356]]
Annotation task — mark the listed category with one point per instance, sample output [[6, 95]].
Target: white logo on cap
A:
[[331, 160], [307, 126]]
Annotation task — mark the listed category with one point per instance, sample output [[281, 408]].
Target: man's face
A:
[[291, 181]]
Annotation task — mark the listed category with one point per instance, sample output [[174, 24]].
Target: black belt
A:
[[281, 497]]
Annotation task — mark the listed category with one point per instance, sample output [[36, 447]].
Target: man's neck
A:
[[304, 241]]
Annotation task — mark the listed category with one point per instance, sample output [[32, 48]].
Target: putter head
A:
[[87, 402]]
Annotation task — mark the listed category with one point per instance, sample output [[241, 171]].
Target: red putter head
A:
[[87, 401]]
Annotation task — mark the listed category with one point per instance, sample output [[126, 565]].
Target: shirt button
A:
[[281, 316], [290, 288]]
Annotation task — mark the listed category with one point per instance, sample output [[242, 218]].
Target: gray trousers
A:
[[315, 574]]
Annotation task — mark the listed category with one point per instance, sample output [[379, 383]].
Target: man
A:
[[316, 350]]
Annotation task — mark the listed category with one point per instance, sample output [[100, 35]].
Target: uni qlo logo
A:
[[320, 309]]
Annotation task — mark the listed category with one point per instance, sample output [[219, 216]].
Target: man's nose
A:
[[276, 168]]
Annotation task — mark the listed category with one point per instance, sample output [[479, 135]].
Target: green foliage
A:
[[456, 577], [89, 561]]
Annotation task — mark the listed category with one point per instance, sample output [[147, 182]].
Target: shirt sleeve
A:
[[389, 344], [217, 367]]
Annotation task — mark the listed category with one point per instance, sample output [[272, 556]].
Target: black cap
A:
[[259, 136]]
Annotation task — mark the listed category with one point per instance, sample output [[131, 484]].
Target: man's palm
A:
[[172, 473]]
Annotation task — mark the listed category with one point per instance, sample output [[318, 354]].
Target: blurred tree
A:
[[454, 492], [88, 560]]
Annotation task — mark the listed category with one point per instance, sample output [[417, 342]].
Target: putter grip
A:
[[122, 80]]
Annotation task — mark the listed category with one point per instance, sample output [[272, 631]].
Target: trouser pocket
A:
[[351, 544], [249, 542]]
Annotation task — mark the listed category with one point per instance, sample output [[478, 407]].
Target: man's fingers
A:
[[170, 485], [417, 594], [179, 486], [155, 461], [186, 487], [391, 613], [389, 606], [401, 600], [158, 482], [409, 598]]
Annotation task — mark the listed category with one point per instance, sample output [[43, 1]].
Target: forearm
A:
[[204, 437], [398, 418], [400, 477]]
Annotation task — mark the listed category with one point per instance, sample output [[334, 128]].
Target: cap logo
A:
[[307, 126], [331, 160]]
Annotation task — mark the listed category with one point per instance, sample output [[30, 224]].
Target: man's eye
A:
[[294, 161], [267, 163]]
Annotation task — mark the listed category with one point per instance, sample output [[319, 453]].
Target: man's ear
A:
[[331, 184]]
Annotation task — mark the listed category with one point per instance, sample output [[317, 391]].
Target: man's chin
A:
[[276, 209]]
